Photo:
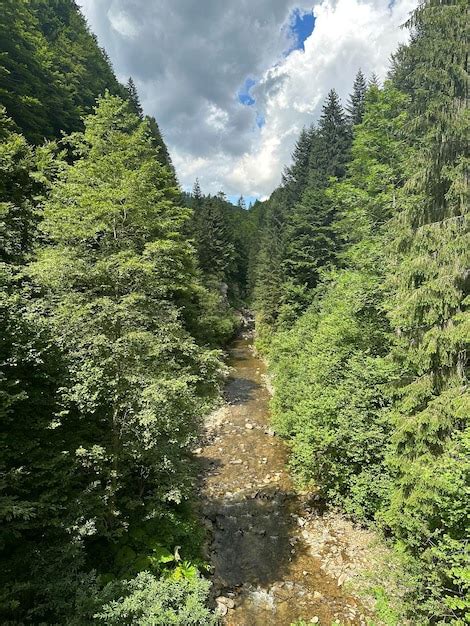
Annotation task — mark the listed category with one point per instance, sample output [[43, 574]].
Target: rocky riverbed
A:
[[277, 557]]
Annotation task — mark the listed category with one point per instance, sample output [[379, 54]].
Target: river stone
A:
[[222, 609], [315, 619], [249, 426], [228, 602]]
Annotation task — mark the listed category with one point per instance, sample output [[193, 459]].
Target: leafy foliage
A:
[[371, 382]]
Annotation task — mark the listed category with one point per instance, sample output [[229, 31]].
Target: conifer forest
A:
[[147, 477]]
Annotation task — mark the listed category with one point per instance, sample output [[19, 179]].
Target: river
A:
[[269, 543]]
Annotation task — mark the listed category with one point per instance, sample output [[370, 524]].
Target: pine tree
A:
[[310, 240], [356, 104], [134, 98], [197, 194], [331, 153], [157, 140], [295, 177]]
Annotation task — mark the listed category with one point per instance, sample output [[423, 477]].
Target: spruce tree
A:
[[331, 153], [428, 309], [134, 98], [158, 142], [196, 194], [295, 177], [241, 203], [310, 240], [356, 104]]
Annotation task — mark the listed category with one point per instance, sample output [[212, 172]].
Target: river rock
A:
[[228, 602], [315, 619], [249, 426], [222, 609]]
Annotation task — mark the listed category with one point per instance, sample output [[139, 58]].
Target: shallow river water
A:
[[264, 570]]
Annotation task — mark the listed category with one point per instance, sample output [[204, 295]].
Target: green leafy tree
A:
[[331, 370]]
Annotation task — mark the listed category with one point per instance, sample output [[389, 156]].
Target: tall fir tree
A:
[[310, 240], [356, 104], [134, 98], [295, 177]]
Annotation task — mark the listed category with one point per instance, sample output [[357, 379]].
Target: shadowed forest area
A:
[[121, 296]]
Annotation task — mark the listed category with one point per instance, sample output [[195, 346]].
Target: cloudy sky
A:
[[232, 82]]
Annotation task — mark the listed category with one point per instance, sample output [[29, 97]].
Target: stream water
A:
[[264, 571]]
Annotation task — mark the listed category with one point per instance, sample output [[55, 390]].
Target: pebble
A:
[[198, 451], [249, 426], [315, 619]]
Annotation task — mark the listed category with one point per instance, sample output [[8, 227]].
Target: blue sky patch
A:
[[244, 95], [301, 25], [234, 199], [260, 120]]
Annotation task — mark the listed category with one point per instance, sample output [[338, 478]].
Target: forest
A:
[[120, 292]]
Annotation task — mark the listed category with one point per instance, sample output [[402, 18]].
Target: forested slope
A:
[[362, 299], [111, 329]]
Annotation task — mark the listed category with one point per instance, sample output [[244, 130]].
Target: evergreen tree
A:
[[162, 155], [331, 153], [52, 69], [213, 239], [197, 194], [331, 368], [310, 240], [134, 98], [241, 203], [295, 177], [356, 104], [428, 308]]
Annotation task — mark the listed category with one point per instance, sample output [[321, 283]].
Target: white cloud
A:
[[348, 34], [123, 23], [189, 64]]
